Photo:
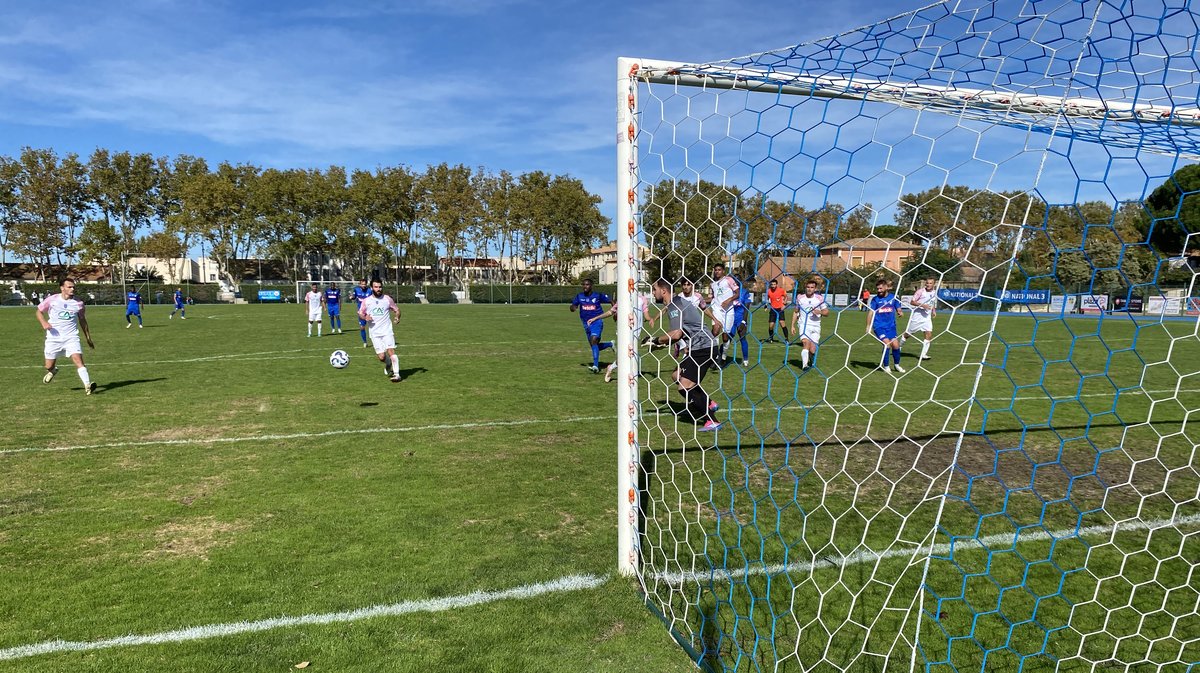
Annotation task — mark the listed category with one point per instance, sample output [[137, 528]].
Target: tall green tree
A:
[[10, 174], [687, 225], [1174, 212], [448, 207], [575, 221], [39, 232], [382, 217], [174, 175], [222, 204], [124, 187]]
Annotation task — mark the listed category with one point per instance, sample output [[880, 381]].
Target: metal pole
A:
[[628, 453]]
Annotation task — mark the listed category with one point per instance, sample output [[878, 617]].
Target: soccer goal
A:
[[346, 286], [1023, 497]]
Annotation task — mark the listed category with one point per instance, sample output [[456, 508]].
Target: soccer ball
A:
[[339, 359]]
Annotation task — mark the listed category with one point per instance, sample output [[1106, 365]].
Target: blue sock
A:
[[745, 349], [606, 344], [596, 355], [139, 320], [339, 319], [896, 355], [362, 331]]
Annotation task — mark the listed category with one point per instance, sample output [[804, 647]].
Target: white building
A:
[[603, 262]]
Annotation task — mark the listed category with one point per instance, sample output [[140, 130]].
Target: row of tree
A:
[[1093, 244], [56, 210]]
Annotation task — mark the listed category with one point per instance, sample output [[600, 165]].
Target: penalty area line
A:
[[562, 585], [302, 435]]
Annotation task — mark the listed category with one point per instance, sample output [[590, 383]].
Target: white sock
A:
[[612, 367], [83, 376], [903, 338], [318, 329], [309, 329], [925, 347], [395, 365], [804, 358]]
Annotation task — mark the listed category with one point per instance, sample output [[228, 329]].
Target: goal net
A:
[[346, 286], [1027, 497]]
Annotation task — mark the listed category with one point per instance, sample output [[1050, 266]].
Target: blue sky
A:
[[507, 84]]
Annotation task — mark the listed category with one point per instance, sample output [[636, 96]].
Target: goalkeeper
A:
[[685, 321]]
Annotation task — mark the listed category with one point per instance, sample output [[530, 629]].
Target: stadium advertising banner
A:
[[1164, 305], [1193, 306], [1093, 303], [269, 295], [841, 300], [1062, 303], [952, 295]]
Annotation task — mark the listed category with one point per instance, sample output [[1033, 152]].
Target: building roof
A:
[[872, 243]]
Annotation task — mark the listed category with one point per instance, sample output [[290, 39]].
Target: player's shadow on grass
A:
[[113, 385], [865, 364], [405, 373]]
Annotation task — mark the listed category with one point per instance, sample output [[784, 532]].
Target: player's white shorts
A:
[[383, 343], [919, 323], [811, 332], [314, 316], [59, 346], [726, 318]]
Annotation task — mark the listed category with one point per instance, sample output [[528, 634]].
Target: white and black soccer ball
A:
[[339, 359]]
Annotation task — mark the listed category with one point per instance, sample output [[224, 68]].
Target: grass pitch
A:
[[226, 473]]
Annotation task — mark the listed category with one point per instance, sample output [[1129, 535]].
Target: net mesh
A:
[[1025, 499]]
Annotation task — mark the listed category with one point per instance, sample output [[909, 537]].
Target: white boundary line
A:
[[1003, 542], [948, 405], [301, 435], [563, 584]]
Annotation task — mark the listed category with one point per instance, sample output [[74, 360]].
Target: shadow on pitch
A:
[[113, 385], [405, 373]]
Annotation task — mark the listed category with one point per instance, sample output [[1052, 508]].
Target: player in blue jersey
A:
[[884, 309], [333, 306], [589, 305], [740, 323], [360, 293], [178, 305], [133, 306]]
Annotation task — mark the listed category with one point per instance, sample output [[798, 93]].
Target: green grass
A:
[[97, 543], [1068, 423]]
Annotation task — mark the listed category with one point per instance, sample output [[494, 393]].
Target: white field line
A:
[[561, 585], [254, 356], [303, 435], [949, 404], [1001, 541]]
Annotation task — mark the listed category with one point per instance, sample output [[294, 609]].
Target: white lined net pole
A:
[[627, 294]]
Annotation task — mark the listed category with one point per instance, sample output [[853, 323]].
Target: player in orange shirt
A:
[[776, 299]]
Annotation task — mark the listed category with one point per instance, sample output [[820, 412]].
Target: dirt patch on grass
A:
[[193, 538], [186, 494], [566, 526]]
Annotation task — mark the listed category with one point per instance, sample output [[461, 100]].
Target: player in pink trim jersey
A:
[[64, 321], [376, 309]]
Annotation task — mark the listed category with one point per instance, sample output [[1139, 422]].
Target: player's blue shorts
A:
[[334, 309], [178, 305], [739, 317], [593, 330], [885, 333], [133, 310]]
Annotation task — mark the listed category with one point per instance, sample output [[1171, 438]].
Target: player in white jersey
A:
[[806, 321], [64, 321], [380, 312], [313, 301], [924, 307], [725, 298]]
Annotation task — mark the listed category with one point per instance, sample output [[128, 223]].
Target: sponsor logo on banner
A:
[[269, 295], [1062, 303], [1093, 303], [1193, 306], [1164, 305], [1007, 296]]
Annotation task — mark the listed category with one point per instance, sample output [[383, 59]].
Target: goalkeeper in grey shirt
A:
[[686, 321]]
